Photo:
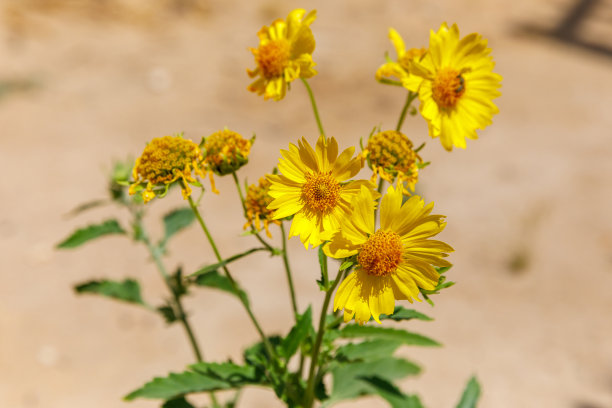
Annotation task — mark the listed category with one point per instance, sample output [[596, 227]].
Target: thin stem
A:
[[243, 201], [182, 316], [411, 97], [381, 184], [317, 346], [288, 272], [314, 106], [235, 287]]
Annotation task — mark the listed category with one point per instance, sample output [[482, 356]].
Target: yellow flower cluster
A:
[[256, 205], [166, 160], [390, 155]]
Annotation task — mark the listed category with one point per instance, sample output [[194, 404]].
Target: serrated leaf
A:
[[83, 235], [180, 402], [127, 291], [257, 355], [471, 394], [367, 350], [214, 280], [176, 220], [218, 265], [296, 336], [375, 332], [199, 378], [401, 313], [348, 377], [389, 392]]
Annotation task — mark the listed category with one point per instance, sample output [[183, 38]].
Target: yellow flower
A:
[[390, 156], [458, 86], [256, 206], [224, 153], [284, 54], [312, 188], [400, 69], [164, 161], [394, 261]]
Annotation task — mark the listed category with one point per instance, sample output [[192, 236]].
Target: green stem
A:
[[381, 184], [314, 106], [288, 273], [182, 316], [235, 287], [317, 346], [255, 232], [411, 97]]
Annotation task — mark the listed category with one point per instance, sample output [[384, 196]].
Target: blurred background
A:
[[84, 83]]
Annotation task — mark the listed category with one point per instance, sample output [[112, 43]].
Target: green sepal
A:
[[126, 291], [471, 394], [83, 235]]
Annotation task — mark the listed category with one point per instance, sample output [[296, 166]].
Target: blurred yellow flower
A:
[[400, 69], [164, 161], [313, 188], [225, 152], [256, 206], [394, 261], [284, 54], [458, 86], [390, 156]]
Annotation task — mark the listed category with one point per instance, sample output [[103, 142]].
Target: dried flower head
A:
[[224, 152], [256, 206], [166, 160], [390, 155]]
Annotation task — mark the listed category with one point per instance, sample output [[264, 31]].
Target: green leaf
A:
[[346, 264], [214, 280], [81, 236], [296, 336], [367, 350], [257, 355], [127, 291], [471, 394], [401, 313], [214, 267], [392, 394], [87, 206], [348, 377], [168, 313], [179, 402], [176, 220], [200, 377], [374, 332]]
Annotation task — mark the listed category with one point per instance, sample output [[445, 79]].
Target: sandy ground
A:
[[87, 86]]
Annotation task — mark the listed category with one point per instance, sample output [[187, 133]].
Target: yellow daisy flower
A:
[[284, 54], [394, 261], [400, 69], [312, 188], [164, 161], [224, 153], [458, 86], [256, 206], [390, 155]]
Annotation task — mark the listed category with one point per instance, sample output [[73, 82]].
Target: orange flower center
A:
[[381, 254], [272, 58], [448, 87], [321, 192]]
